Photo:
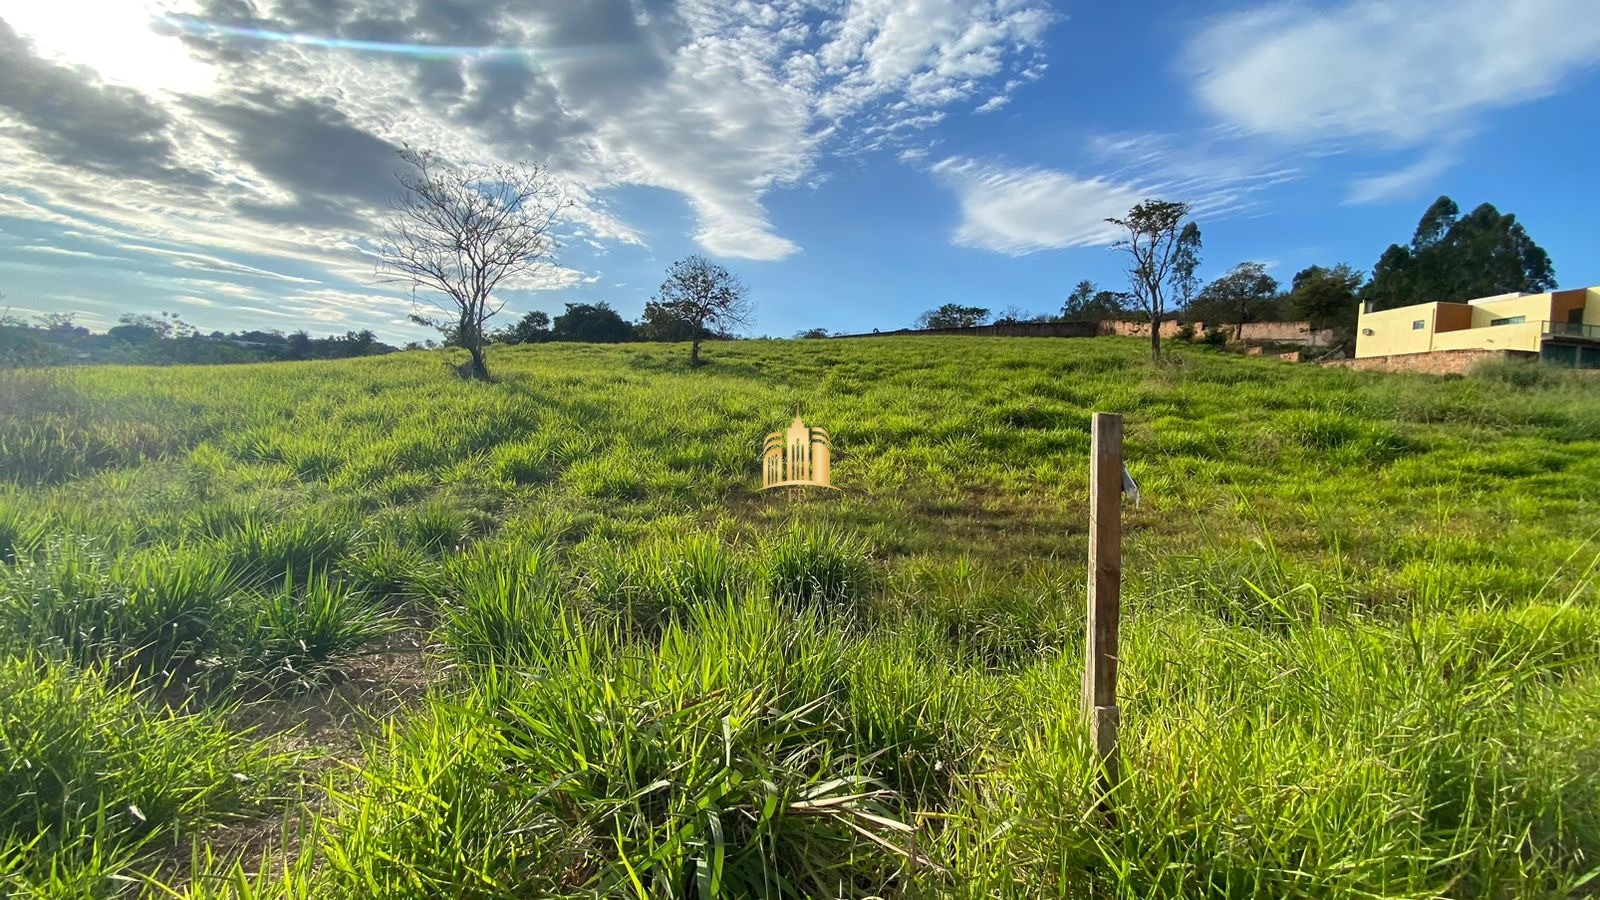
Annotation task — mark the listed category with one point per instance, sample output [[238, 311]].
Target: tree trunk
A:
[[1155, 338], [694, 352], [479, 370]]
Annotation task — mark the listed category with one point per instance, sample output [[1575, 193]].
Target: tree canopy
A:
[[1152, 239], [1454, 258], [1088, 302], [593, 322], [1245, 293], [953, 315], [165, 339], [1185, 264], [1326, 298], [705, 299], [532, 328]]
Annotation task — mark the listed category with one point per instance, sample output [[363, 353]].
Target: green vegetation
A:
[[364, 628]]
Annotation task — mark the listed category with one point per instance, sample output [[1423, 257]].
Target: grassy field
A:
[[360, 628]]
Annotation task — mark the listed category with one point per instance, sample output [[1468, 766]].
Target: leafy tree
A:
[[1493, 254], [532, 328], [1016, 315], [707, 299], [953, 315], [1391, 283], [166, 339], [1151, 243], [358, 343], [1435, 224], [144, 328], [661, 323], [1326, 298], [458, 234], [1453, 258], [1088, 303], [298, 345], [1186, 261], [61, 323], [811, 333], [1244, 294], [593, 322]]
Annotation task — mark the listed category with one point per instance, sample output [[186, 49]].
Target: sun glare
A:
[[115, 38]]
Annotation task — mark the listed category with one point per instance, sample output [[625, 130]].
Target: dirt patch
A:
[[324, 728]]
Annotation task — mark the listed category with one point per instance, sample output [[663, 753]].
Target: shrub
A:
[[660, 580], [20, 535], [925, 720], [388, 571], [1537, 640], [166, 613], [500, 604], [89, 772], [709, 766], [1333, 432], [261, 552], [818, 565], [175, 611], [438, 526], [982, 615], [299, 634], [1523, 374], [63, 603]]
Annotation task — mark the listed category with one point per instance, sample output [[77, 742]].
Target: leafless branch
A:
[[456, 235]]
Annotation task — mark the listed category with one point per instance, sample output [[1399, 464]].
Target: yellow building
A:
[[1562, 327]]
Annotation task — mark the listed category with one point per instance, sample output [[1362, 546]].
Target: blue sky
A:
[[856, 161]]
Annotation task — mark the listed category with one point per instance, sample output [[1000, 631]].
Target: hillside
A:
[[367, 629]]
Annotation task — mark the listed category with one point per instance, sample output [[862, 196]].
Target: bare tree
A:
[[707, 298], [457, 234], [1152, 242]]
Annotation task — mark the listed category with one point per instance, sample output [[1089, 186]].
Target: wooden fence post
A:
[[1105, 593]]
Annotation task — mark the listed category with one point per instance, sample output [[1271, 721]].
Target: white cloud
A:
[[993, 103], [1214, 171], [1404, 182], [1401, 74], [61, 251], [249, 174], [932, 51], [269, 148], [1022, 210], [114, 39], [187, 259]]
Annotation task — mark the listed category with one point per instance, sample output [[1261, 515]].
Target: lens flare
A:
[[202, 28]]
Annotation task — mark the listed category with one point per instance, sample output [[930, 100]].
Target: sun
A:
[[115, 38]]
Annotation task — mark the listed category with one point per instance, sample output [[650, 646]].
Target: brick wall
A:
[[1274, 332], [1288, 333], [1169, 329], [1017, 329], [1441, 362]]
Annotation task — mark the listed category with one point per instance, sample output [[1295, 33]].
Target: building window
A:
[[1511, 320], [1419, 324]]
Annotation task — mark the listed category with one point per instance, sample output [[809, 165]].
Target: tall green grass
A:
[[182, 619], [1358, 652], [92, 779]]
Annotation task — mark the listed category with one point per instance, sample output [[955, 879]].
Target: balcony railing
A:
[[1571, 329]]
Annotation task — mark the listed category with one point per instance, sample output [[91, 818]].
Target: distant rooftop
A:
[[1511, 296]]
